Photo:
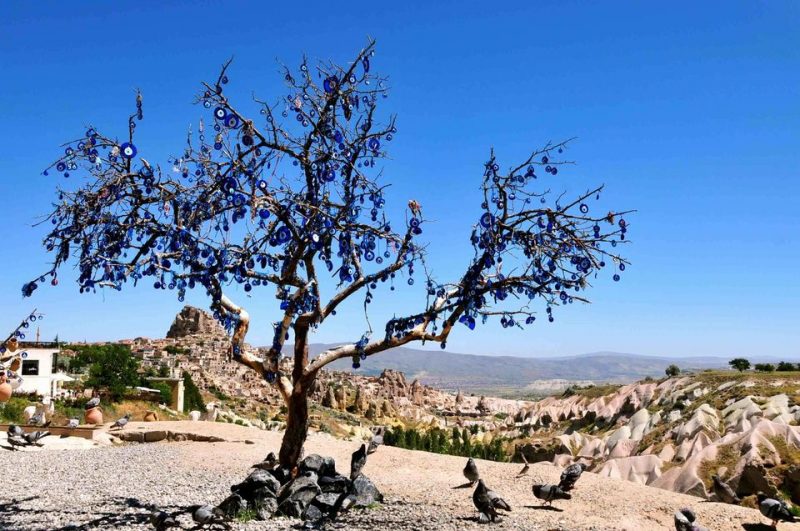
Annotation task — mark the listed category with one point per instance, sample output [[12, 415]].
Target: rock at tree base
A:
[[322, 466], [232, 505], [366, 492], [310, 496], [256, 480]]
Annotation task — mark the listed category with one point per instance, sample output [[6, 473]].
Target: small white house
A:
[[38, 369]]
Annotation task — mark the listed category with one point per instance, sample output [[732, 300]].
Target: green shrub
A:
[[192, 399], [11, 411]]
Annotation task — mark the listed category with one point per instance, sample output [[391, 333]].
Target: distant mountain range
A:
[[478, 373]]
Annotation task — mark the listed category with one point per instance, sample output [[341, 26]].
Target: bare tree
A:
[[292, 200]]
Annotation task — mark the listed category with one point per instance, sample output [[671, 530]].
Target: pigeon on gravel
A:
[[269, 462], [93, 403], [161, 520], [120, 423], [358, 461], [204, 515], [723, 491], [487, 502], [73, 423], [524, 468], [14, 431], [548, 493], [17, 442], [570, 476], [377, 440], [775, 510], [471, 471], [34, 437], [685, 520], [37, 419]]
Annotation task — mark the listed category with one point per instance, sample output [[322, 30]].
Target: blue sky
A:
[[688, 112]]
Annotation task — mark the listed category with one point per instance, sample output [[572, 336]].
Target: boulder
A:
[[335, 483], [297, 494], [258, 479], [321, 466], [232, 505], [366, 492]]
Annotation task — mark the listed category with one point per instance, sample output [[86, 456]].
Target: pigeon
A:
[[120, 423], [723, 491], [14, 430], [269, 462], [570, 476], [377, 440], [685, 520], [524, 468], [548, 493], [73, 423], [93, 403], [17, 442], [161, 520], [487, 502], [33, 438], [471, 471], [37, 419], [204, 515], [358, 461], [773, 509]]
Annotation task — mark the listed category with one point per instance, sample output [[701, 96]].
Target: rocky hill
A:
[[677, 433], [672, 433]]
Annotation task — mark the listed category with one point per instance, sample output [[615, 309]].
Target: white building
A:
[[38, 369]]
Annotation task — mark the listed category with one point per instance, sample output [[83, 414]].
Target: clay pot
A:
[[150, 416], [5, 391], [93, 416]]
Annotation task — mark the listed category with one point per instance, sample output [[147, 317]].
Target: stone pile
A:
[[310, 492]]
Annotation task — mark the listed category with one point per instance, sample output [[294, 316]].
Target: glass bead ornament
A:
[[127, 150]]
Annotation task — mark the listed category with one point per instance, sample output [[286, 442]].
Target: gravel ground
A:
[[116, 487]]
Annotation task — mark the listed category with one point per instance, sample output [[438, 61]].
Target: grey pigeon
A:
[[161, 520], [723, 491], [73, 423], [775, 510], [548, 493], [204, 515], [685, 520], [269, 463], [17, 442], [120, 423], [33, 438], [93, 403], [570, 476], [377, 440], [488, 502], [15, 431], [37, 419], [358, 461], [471, 471], [524, 468]]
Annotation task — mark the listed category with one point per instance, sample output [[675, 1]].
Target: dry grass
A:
[[727, 456]]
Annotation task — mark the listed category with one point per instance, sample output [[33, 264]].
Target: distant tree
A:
[[740, 364], [163, 371], [192, 399], [290, 200], [114, 368], [764, 367], [673, 370], [785, 366]]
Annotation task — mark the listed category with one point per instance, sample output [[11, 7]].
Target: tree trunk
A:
[[296, 428]]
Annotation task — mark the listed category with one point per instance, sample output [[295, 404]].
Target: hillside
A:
[[504, 374], [420, 489]]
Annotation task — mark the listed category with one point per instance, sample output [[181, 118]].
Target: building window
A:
[[30, 367]]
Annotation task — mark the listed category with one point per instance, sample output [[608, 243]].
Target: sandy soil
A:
[[116, 487]]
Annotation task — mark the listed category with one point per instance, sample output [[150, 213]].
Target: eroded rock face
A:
[[193, 321]]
